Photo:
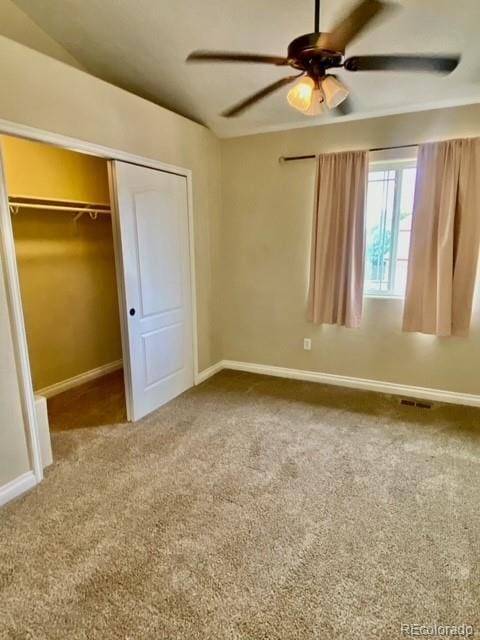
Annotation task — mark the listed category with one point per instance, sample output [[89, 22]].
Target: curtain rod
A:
[[312, 156]]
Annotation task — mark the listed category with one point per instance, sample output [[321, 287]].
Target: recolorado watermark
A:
[[436, 631]]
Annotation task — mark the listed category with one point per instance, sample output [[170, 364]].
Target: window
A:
[[390, 193]]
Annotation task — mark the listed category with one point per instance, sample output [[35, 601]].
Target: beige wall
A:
[[67, 278], [44, 93], [266, 243]]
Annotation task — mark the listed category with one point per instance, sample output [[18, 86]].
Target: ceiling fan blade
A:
[[345, 108], [347, 29], [436, 64], [231, 56], [259, 95]]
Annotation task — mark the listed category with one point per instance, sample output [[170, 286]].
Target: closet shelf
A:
[[77, 208]]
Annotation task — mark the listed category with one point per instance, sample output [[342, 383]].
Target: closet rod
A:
[[56, 207], [313, 156]]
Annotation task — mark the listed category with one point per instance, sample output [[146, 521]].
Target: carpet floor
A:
[[250, 508], [92, 404]]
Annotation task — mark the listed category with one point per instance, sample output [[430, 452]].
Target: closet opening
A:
[[60, 210]]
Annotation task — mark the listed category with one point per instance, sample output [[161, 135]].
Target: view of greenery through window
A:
[[388, 225]]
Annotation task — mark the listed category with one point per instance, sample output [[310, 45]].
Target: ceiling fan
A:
[[314, 54]]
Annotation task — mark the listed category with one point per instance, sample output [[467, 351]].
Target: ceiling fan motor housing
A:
[[305, 54]]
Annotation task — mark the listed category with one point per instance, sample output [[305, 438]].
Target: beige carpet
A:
[[92, 404], [251, 508]]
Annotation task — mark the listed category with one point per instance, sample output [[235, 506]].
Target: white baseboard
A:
[[16, 487], [423, 393], [208, 373], [70, 383]]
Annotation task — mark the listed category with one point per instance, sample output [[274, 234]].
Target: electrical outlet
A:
[[307, 344]]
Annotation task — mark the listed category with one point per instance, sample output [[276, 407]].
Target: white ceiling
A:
[[141, 45]]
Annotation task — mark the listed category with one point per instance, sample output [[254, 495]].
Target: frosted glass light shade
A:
[[307, 96], [300, 95], [317, 103], [335, 91]]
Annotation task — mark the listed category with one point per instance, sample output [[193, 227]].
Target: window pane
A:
[[380, 200], [401, 277], [403, 244], [408, 189], [404, 229], [388, 227], [376, 175]]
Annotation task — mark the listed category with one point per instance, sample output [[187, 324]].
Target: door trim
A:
[[17, 327], [7, 249]]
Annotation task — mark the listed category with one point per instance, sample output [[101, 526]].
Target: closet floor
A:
[[95, 403]]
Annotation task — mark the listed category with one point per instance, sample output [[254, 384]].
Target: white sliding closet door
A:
[[152, 209]]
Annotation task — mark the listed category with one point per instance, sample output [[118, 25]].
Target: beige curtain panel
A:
[[338, 239], [445, 239]]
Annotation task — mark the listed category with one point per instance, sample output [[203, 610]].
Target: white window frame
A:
[[397, 166]]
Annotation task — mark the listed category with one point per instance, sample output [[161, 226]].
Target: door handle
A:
[[132, 311]]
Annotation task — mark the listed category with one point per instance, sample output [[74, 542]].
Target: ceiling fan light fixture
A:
[[300, 95], [317, 103], [335, 91], [307, 96]]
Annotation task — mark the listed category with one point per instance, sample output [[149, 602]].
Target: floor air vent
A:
[[413, 403]]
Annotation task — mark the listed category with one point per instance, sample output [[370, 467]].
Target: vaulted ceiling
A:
[[141, 46]]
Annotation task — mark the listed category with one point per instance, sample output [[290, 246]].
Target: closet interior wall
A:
[[66, 263]]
